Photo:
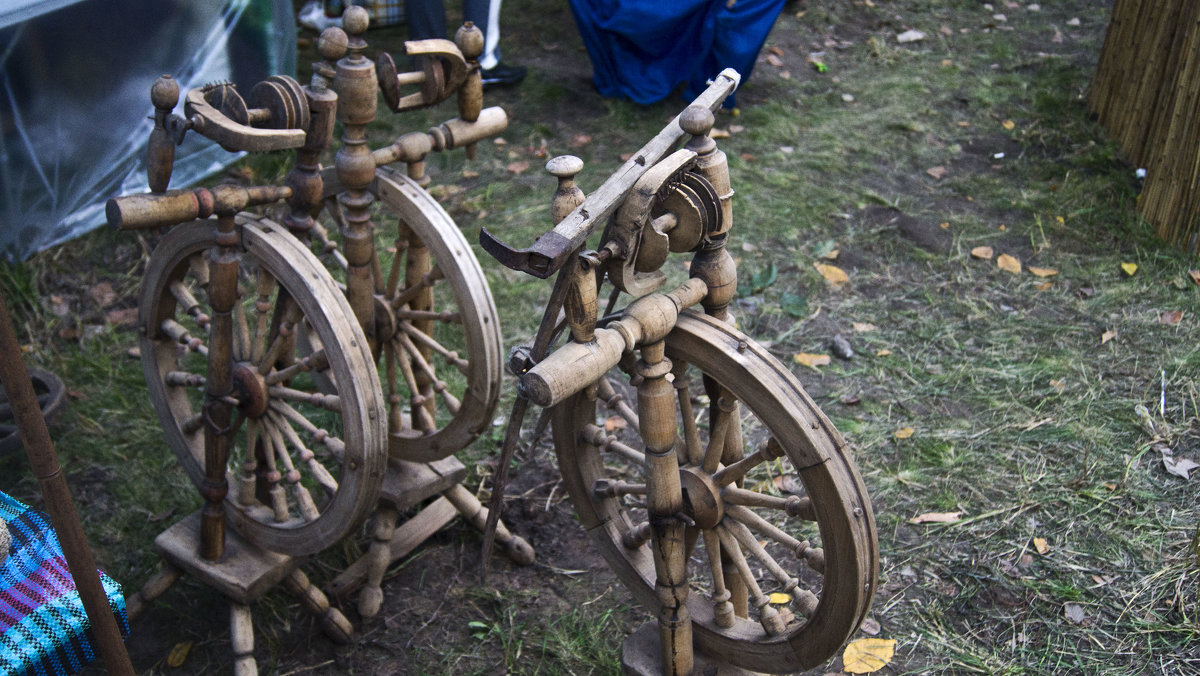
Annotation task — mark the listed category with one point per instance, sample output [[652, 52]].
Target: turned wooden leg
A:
[[333, 622], [370, 598], [155, 587], [241, 634], [476, 514]]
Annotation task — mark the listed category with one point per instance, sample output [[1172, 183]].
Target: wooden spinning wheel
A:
[[820, 549], [305, 465], [436, 337]]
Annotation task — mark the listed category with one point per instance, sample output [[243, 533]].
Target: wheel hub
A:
[[701, 497], [251, 389], [385, 320]]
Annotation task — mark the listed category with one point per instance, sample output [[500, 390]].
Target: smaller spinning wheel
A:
[[304, 464]]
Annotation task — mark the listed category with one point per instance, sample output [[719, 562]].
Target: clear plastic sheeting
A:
[[75, 106]]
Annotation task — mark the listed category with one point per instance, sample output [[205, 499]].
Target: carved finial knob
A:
[[697, 120], [469, 40], [564, 166], [164, 93], [355, 20], [332, 44]]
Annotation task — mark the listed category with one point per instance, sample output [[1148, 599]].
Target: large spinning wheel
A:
[[435, 336], [305, 464], [820, 547]]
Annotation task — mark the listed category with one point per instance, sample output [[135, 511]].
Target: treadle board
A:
[[245, 572], [640, 657], [407, 484], [407, 537]]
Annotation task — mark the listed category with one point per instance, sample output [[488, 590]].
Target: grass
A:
[[1026, 421]]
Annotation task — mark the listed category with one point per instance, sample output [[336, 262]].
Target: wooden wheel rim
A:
[[844, 516], [402, 199], [325, 313]]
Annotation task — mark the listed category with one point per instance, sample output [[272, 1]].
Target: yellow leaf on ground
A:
[[984, 252], [1009, 125], [178, 654], [867, 655], [832, 255], [1042, 272], [1107, 336], [1044, 286], [1195, 275], [1058, 384], [903, 433], [1041, 546], [883, 353], [936, 517], [779, 598], [1171, 317], [518, 167], [1129, 268], [832, 274], [1009, 264], [863, 327], [811, 360]]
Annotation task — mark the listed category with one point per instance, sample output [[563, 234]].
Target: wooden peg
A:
[[470, 42], [160, 153]]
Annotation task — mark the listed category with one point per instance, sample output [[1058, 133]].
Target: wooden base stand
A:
[[640, 656], [243, 575], [406, 485]]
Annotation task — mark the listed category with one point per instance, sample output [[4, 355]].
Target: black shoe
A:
[[503, 75]]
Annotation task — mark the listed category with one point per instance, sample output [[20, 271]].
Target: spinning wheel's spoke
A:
[[262, 308], [430, 315], [317, 361], [637, 536], [247, 479], [421, 420], [426, 281], [184, 379], [691, 434], [271, 474], [603, 488], [738, 470], [189, 304], [439, 386], [319, 473], [284, 334], [304, 501], [181, 335], [813, 556], [321, 436], [329, 402], [615, 401], [395, 414], [193, 424], [749, 544], [328, 246], [241, 344], [401, 246], [772, 620], [722, 415], [595, 435], [793, 505], [425, 339], [722, 607]]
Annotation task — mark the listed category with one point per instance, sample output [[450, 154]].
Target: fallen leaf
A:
[[983, 252], [963, 123], [937, 172], [1195, 275], [178, 654], [615, 422], [779, 598], [1042, 272], [774, 60], [863, 327], [1074, 21], [125, 317], [832, 255], [499, 141], [1107, 336], [867, 655], [903, 433], [793, 305], [1009, 264], [467, 173], [787, 483], [1074, 613], [748, 157], [718, 133], [849, 399], [936, 517], [519, 167], [1008, 125], [103, 294], [910, 36], [883, 353], [1044, 286], [832, 274], [1041, 546], [1171, 317], [944, 225], [736, 128], [580, 140], [1180, 467], [775, 50], [946, 30], [1102, 580], [1129, 268], [812, 360], [869, 626], [1058, 384]]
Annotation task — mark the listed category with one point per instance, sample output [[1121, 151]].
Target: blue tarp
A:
[[644, 49]]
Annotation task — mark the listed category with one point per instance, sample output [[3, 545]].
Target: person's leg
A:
[[426, 19]]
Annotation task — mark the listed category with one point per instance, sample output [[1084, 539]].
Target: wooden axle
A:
[[136, 212]]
